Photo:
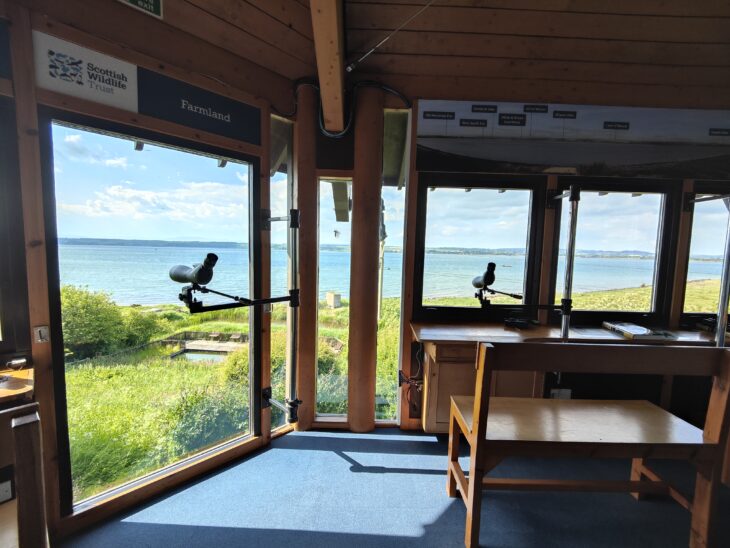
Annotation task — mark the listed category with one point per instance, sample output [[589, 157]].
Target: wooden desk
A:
[[452, 348], [16, 385]]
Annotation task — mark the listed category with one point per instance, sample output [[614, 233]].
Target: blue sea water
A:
[[138, 274]]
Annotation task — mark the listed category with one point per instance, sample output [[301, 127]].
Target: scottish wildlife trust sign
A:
[[67, 68], [71, 69]]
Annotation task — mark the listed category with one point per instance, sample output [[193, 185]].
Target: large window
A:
[[334, 298], [469, 221], [147, 384], [707, 248], [621, 258]]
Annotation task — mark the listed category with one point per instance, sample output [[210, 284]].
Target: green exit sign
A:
[[150, 7]]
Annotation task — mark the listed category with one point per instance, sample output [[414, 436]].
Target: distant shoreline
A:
[[498, 252]]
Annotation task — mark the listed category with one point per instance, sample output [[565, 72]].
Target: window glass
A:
[[334, 296], [707, 247], [467, 228], [389, 310], [147, 383], [279, 204], [617, 240]]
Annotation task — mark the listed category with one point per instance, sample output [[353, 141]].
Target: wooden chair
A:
[[496, 427]]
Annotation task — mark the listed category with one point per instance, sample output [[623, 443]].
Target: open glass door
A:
[[148, 385]]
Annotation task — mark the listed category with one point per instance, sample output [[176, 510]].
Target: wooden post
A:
[[306, 193], [29, 481], [366, 193], [29, 168], [409, 254]]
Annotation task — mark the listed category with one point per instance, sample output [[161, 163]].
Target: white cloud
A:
[[120, 161], [72, 138], [190, 201]]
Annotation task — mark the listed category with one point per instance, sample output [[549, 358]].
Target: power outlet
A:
[[561, 393]]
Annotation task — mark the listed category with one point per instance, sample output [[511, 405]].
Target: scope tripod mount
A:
[[187, 296], [483, 295]]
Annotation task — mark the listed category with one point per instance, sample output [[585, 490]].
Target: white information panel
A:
[[70, 69], [572, 122]]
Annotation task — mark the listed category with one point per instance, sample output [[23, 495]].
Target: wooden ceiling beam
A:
[[329, 48]]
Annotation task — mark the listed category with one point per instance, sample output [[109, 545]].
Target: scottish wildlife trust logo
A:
[[66, 68]]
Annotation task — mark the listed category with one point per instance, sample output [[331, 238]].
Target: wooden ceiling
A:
[[624, 52]]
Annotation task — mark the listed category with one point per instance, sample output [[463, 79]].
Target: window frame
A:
[[46, 116], [690, 319], [666, 248], [14, 314], [537, 184]]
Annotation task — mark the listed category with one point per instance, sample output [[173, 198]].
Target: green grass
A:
[[123, 417], [130, 414]]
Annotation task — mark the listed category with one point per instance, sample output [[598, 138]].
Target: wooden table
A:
[[16, 385], [450, 353]]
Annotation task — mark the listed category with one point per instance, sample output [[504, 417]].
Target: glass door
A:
[[147, 384]]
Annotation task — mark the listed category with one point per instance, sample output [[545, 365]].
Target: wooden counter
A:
[[16, 385], [450, 355]]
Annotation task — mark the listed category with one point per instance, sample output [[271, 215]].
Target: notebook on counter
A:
[[633, 331]]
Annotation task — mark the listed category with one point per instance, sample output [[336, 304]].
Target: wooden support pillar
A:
[[409, 260], [366, 193], [29, 168], [306, 194]]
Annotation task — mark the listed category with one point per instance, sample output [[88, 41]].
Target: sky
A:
[[106, 189]]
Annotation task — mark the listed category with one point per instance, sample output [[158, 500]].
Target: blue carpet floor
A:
[[334, 489]]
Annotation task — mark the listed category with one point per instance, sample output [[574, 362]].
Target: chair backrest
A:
[[609, 358]]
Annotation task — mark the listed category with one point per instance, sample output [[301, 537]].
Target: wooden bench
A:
[[496, 427]]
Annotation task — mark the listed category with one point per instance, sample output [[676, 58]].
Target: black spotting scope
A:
[[200, 274], [486, 279]]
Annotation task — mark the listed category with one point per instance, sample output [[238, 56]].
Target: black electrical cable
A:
[[351, 114]]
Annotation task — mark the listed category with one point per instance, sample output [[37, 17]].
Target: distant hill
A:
[[145, 243], [512, 251]]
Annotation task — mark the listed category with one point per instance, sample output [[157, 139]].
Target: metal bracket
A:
[[265, 397], [265, 219], [688, 202], [550, 199], [294, 218]]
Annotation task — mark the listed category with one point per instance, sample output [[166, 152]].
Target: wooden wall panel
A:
[[366, 211]]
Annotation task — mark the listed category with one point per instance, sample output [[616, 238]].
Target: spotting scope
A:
[[200, 274]]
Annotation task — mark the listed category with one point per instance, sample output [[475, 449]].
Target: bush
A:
[[92, 323], [139, 326], [201, 418], [235, 368]]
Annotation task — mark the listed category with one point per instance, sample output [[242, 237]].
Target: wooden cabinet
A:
[[449, 370]]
